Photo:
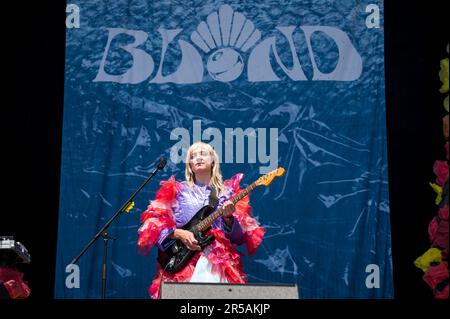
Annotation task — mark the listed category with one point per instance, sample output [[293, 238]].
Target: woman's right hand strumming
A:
[[187, 238]]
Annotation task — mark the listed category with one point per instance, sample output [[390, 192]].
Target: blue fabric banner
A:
[[295, 84]]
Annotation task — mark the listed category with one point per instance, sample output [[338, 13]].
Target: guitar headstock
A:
[[267, 179]]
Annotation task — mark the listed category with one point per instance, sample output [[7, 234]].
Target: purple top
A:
[[189, 202]]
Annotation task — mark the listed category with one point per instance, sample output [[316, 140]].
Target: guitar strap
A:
[[213, 200]]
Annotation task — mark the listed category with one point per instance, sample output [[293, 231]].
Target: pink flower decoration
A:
[[432, 228], [440, 168], [435, 275], [443, 212]]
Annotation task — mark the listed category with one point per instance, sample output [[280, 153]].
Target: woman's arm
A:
[[233, 230]]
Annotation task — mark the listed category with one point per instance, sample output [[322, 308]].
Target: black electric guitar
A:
[[177, 255]]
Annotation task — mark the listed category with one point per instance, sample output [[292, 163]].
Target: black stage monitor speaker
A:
[[190, 290]]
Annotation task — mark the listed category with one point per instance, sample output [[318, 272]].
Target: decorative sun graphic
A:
[[221, 36]]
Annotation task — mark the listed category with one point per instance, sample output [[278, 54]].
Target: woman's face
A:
[[200, 160]]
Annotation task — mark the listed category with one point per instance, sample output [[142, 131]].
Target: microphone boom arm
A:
[[125, 207]]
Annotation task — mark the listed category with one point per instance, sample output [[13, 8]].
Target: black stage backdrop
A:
[[414, 44]]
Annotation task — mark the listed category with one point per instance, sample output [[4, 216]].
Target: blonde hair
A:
[[216, 175]]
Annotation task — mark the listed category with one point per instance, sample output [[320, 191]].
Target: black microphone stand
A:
[[102, 232]]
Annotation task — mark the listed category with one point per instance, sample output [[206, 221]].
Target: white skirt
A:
[[205, 271]]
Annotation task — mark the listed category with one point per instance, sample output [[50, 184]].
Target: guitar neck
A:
[[208, 221]]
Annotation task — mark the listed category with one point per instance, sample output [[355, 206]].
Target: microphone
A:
[[162, 162]]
